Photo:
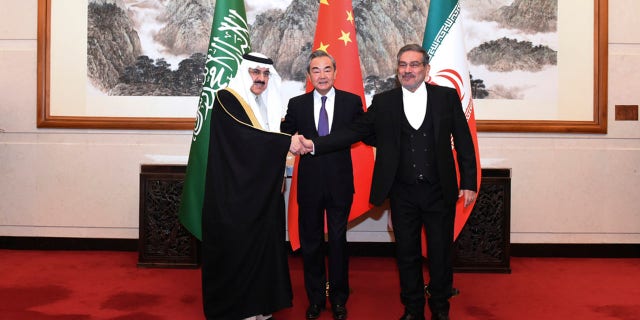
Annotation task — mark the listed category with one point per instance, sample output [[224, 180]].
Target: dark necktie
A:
[[323, 120]]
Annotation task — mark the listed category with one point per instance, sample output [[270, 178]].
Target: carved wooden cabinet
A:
[[483, 244], [163, 241]]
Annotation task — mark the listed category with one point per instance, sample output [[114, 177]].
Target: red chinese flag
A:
[[336, 34]]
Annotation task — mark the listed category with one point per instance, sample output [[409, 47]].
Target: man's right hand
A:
[[307, 145], [300, 145]]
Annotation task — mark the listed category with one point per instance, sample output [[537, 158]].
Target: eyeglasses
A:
[[414, 64], [257, 72]]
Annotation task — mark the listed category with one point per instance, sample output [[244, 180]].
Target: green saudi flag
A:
[[228, 42]]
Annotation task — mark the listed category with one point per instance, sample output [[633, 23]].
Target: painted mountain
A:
[[156, 47]]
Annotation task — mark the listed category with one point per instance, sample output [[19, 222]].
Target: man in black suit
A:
[[412, 128], [325, 184]]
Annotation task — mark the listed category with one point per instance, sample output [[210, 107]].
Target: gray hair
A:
[[318, 54], [416, 48]]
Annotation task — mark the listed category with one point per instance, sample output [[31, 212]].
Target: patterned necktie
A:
[[323, 120]]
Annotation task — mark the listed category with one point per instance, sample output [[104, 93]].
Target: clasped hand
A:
[[300, 145]]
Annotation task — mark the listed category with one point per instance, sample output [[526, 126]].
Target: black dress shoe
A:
[[410, 316], [440, 316], [313, 312], [339, 311]]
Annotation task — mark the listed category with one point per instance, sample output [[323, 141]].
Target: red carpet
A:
[[78, 285]]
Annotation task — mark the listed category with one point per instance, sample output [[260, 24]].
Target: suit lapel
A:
[[309, 113], [397, 114], [432, 110], [337, 115]]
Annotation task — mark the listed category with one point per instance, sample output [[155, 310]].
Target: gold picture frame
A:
[[48, 119], [598, 122]]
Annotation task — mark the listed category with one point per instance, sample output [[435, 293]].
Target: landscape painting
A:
[[156, 47], [138, 64]]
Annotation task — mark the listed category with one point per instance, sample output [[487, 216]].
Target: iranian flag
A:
[[444, 41], [228, 42], [336, 34]]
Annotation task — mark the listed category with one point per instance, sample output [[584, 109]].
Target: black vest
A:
[[417, 156]]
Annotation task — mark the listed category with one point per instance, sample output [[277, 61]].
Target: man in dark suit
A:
[[412, 128], [325, 184]]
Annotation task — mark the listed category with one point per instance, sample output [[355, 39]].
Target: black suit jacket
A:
[[334, 169], [381, 126]]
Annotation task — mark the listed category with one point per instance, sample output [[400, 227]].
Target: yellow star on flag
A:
[[345, 37], [350, 16], [323, 47], [331, 20]]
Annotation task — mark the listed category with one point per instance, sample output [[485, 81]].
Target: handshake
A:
[[300, 145]]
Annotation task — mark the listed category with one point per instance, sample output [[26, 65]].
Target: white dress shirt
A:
[[415, 105]]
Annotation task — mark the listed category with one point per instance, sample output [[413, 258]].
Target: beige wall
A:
[[566, 188]]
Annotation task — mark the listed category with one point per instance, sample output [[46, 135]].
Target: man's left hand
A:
[[469, 196]]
